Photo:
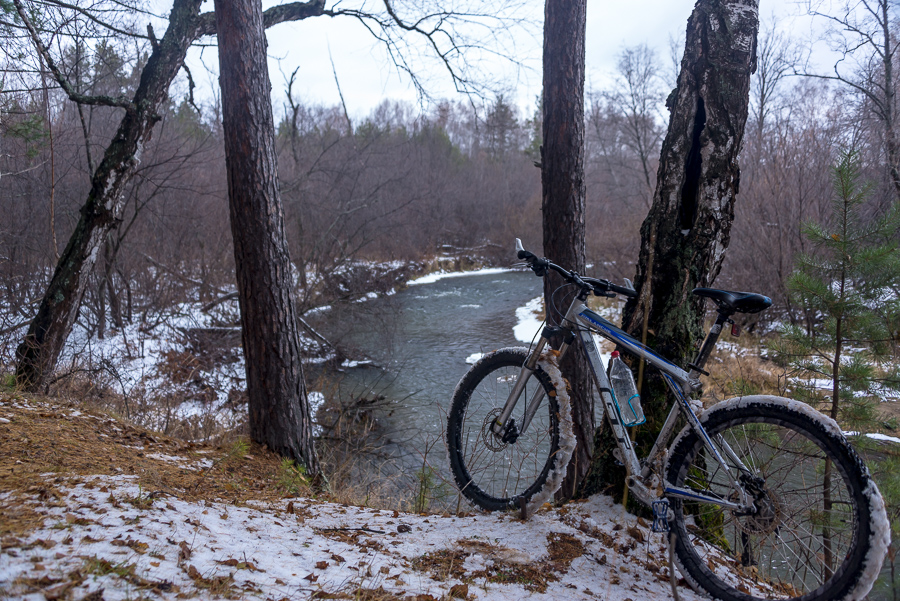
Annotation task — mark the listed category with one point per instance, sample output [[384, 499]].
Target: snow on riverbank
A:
[[442, 275], [529, 321]]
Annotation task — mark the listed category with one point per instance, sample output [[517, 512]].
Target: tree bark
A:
[[686, 233], [562, 182], [278, 403]]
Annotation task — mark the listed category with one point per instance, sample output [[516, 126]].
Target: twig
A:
[[350, 529]]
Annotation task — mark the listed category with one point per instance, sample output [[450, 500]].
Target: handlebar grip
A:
[[623, 291]]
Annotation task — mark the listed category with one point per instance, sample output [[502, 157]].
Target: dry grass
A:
[[44, 437], [733, 375], [534, 576]]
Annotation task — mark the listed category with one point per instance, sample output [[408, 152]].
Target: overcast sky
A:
[[367, 76]]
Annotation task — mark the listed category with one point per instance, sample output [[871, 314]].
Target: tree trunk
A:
[[278, 403], [889, 93], [562, 181], [38, 353], [686, 233]]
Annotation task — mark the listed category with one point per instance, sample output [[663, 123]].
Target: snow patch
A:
[[528, 322], [442, 275], [473, 358], [876, 436]]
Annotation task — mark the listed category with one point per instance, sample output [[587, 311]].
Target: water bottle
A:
[[627, 398]]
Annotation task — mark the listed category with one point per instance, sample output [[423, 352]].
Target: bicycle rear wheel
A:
[[820, 530], [492, 474]]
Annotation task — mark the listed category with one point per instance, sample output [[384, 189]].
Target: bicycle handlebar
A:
[[599, 287]]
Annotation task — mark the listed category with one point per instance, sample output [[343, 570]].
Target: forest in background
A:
[[405, 182]]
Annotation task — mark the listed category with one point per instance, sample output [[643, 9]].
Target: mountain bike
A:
[[766, 497]]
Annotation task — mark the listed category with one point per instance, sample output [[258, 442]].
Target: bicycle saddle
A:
[[735, 302]]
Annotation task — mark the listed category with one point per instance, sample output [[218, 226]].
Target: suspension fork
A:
[[499, 425]]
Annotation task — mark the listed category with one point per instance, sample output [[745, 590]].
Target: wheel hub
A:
[[490, 439], [766, 518]]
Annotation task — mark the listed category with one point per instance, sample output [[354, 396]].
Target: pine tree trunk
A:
[[562, 181], [278, 403], [686, 233]]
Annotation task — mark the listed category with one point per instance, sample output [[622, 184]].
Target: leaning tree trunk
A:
[[278, 403], [38, 353], [562, 181], [686, 233]]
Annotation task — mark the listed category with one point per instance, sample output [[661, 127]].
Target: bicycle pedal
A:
[[660, 516]]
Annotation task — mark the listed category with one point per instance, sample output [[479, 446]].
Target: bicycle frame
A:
[[584, 323]]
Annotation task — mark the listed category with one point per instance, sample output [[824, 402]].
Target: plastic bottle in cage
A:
[[627, 398]]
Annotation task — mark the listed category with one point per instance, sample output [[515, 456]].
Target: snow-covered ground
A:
[[107, 537]]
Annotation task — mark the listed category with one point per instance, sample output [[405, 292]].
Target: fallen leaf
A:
[[184, 551], [635, 533], [321, 565], [60, 591], [460, 591]]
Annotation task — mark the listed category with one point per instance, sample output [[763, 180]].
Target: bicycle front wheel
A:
[[819, 530], [492, 474]]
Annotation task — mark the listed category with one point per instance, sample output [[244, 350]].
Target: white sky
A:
[[367, 77]]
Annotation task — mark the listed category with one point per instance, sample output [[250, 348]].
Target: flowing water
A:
[[420, 338], [418, 342]]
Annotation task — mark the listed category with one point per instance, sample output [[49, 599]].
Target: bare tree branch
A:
[[73, 94]]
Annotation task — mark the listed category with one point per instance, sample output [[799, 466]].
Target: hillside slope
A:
[[91, 508]]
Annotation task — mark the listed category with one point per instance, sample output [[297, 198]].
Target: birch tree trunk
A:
[[278, 403], [686, 233], [562, 182]]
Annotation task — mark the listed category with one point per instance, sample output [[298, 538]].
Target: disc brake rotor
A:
[[491, 440], [765, 520]]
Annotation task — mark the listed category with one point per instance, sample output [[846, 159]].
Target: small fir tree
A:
[[848, 287]]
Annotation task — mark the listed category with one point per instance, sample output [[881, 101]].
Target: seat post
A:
[[709, 343]]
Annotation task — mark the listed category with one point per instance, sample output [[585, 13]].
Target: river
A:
[[418, 341]]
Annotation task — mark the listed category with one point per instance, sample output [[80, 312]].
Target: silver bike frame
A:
[[584, 323]]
